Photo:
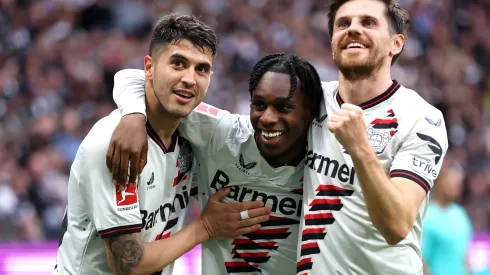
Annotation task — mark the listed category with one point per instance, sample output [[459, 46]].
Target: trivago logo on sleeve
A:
[[127, 197]]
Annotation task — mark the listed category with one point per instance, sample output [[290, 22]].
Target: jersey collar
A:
[[374, 101], [154, 136]]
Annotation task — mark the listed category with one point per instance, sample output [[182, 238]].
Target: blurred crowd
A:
[[58, 59]]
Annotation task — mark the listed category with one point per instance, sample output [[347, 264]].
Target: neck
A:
[[160, 120], [293, 154], [358, 91]]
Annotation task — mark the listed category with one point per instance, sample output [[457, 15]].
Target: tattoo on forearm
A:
[[127, 252]]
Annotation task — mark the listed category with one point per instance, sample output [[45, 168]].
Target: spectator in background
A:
[[446, 227]]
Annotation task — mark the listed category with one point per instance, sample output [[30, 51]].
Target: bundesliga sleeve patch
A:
[[126, 197], [208, 109]]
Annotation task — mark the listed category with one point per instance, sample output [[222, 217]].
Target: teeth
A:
[[184, 94], [271, 134], [355, 45]]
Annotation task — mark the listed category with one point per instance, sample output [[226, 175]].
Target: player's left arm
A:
[[392, 201]]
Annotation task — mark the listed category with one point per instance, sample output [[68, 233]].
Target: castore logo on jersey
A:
[[245, 167]]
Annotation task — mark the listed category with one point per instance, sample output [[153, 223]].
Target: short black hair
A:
[[398, 18], [174, 27], [295, 67]]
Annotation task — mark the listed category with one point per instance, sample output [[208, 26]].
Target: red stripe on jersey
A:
[[309, 245], [385, 121], [234, 264], [304, 261], [324, 201], [318, 216], [313, 231], [325, 187]]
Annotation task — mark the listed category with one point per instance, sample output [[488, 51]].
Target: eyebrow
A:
[[364, 16], [206, 65], [280, 99]]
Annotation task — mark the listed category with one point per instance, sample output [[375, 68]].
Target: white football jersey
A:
[[227, 155], [338, 237], [155, 207]]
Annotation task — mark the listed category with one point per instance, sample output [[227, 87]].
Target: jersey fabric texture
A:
[[155, 207], [227, 155], [446, 238], [409, 137]]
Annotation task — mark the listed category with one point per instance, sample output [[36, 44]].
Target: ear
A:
[[398, 41], [148, 67]]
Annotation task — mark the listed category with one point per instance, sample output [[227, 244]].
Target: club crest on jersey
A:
[[127, 198], [184, 159], [381, 131], [244, 167]]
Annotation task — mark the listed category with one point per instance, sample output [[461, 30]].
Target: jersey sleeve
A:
[[420, 155], [112, 212], [208, 128], [129, 91]]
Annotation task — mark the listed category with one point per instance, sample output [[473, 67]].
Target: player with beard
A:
[[369, 169], [261, 156]]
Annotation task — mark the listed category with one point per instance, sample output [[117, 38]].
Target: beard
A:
[[355, 68]]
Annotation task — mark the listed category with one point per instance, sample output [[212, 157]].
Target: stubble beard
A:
[[165, 106], [355, 69]]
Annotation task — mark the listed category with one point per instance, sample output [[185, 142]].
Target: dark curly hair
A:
[[174, 27], [297, 68]]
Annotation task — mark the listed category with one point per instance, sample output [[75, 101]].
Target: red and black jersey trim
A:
[[411, 176], [374, 101], [154, 136], [115, 231]]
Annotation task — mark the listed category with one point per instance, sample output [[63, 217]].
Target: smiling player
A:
[[261, 156]]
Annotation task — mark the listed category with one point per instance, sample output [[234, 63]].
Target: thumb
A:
[[220, 194]]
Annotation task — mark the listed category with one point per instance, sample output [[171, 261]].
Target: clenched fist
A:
[[348, 126]]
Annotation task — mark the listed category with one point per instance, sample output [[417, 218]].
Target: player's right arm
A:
[[127, 254], [120, 226]]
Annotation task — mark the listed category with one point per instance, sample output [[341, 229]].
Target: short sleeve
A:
[[112, 212], [420, 155], [207, 128], [129, 91]]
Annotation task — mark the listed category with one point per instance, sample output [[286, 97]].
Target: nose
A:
[[189, 77], [355, 27], [269, 117]]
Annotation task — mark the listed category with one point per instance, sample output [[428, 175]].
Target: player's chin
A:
[[272, 147]]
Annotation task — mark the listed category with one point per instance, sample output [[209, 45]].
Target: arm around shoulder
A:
[[129, 91]]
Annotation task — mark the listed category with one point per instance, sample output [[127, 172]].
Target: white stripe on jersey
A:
[[156, 207], [338, 236]]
